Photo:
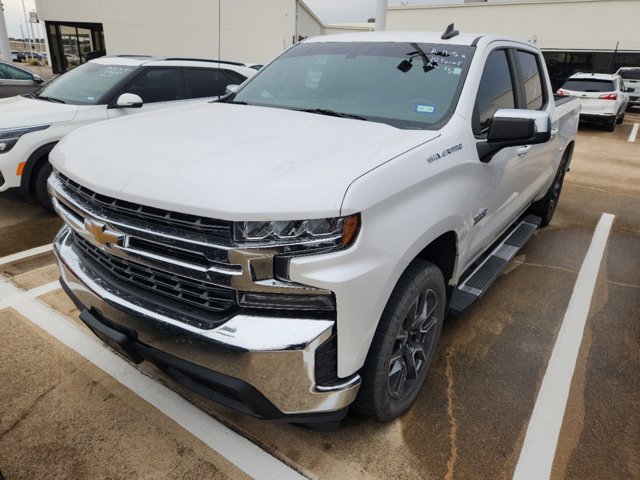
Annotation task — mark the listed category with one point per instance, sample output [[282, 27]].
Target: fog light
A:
[[279, 301]]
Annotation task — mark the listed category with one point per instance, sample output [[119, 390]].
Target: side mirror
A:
[[129, 100], [232, 88], [37, 78], [629, 89], [513, 128]]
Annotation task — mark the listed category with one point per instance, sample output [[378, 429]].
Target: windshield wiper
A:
[[49, 99], [331, 113]]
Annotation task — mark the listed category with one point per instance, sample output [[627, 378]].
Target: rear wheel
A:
[[404, 344], [39, 184], [610, 124], [621, 118], [546, 207]]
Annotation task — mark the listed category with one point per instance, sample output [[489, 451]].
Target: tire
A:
[[610, 124], [546, 207], [621, 118], [404, 345], [39, 185]]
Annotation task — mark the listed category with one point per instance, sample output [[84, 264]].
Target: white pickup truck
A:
[[296, 247]]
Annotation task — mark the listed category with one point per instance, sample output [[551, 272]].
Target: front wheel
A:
[[404, 344], [39, 185]]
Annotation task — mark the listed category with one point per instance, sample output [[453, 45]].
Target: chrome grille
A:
[[219, 230], [164, 284]]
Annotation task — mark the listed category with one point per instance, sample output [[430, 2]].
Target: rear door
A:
[[208, 82]]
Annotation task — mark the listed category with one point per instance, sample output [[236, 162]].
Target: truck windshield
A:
[[84, 85], [407, 85]]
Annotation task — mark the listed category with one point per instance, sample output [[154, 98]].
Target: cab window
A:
[[495, 92], [531, 80]]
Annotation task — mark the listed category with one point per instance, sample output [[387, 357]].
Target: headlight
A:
[[295, 235], [8, 138]]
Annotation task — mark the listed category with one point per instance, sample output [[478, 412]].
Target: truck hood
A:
[[233, 162], [16, 112]]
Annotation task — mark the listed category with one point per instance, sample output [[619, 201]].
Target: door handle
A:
[[522, 151], [554, 132]]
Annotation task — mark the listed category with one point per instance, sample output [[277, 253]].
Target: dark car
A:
[[17, 81]]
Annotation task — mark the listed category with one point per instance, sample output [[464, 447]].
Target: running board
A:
[[474, 286]]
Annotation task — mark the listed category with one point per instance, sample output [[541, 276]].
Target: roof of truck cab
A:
[[412, 37]]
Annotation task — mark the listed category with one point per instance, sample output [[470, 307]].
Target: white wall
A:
[[252, 30], [308, 24], [567, 24]]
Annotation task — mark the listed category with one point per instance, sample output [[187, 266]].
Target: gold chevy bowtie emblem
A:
[[100, 232]]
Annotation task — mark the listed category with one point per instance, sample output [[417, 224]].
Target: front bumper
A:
[[262, 366]]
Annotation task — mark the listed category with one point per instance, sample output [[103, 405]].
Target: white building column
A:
[[5, 49], [381, 15]]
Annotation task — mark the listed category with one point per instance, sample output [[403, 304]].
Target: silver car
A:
[[17, 81], [631, 77]]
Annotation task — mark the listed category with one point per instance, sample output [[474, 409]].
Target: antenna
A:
[[220, 93], [449, 32]]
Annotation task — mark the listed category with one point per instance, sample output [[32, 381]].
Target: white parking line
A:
[[247, 456], [43, 289], [538, 451], [634, 132], [26, 254]]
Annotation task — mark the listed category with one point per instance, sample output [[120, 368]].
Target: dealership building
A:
[[575, 35]]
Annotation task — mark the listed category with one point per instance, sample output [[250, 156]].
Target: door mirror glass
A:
[[129, 100]]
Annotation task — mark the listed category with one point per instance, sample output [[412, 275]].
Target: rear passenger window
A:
[[531, 78], [157, 85], [205, 82], [235, 77], [495, 92]]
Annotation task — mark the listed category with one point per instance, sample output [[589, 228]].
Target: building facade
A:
[[574, 35], [241, 30]]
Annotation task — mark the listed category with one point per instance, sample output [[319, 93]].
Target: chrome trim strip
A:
[[244, 269]]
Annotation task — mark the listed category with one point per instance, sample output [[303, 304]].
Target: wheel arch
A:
[[32, 164], [443, 253]]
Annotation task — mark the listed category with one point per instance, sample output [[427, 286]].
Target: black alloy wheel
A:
[[404, 344], [415, 340]]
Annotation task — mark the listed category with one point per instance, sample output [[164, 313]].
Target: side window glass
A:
[[157, 85], [235, 78], [495, 92], [205, 82], [12, 73], [534, 95]]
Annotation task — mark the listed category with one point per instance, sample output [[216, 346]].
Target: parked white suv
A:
[[631, 78], [104, 88], [603, 97]]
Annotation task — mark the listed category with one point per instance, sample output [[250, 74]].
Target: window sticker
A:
[[425, 108]]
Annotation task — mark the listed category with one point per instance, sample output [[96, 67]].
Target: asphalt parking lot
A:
[[69, 408]]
